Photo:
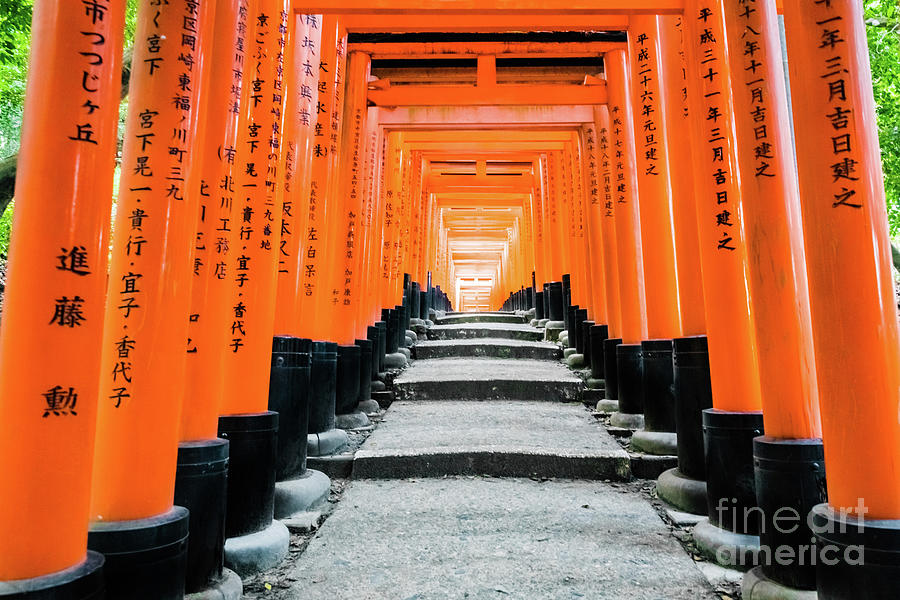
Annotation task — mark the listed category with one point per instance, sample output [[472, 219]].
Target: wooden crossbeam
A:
[[501, 7], [481, 23], [487, 116], [499, 95], [435, 50], [498, 184]]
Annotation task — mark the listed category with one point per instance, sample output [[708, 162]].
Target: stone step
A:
[[497, 317], [487, 379], [486, 348], [506, 331], [477, 538], [497, 438]]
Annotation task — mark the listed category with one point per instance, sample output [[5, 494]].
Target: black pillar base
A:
[[790, 481], [201, 485], [629, 371], [539, 306], [251, 473], [557, 310], [583, 343], [731, 491], [611, 367], [423, 305], [571, 324], [577, 328], [365, 370], [545, 297], [322, 387], [414, 300], [693, 395], [145, 558], [657, 381], [289, 397], [857, 559], [597, 335], [347, 386], [84, 581], [393, 330], [381, 350]]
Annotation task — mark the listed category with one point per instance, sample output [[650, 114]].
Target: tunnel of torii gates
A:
[[337, 171]]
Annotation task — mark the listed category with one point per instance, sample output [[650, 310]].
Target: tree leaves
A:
[[883, 32]]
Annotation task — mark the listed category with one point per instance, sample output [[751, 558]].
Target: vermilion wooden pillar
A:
[[142, 373], [735, 420], [314, 294], [681, 168], [216, 236], [541, 267], [254, 540], [390, 216], [578, 244], [552, 206], [301, 88], [411, 168], [770, 210], [732, 343], [650, 119], [343, 242], [685, 486], [418, 199], [211, 305], [852, 299], [789, 470], [370, 226], [606, 155], [628, 240], [50, 342], [594, 211], [654, 176], [143, 363], [627, 219], [260, 179]]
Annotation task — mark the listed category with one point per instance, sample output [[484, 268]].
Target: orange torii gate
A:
[[662, 189]]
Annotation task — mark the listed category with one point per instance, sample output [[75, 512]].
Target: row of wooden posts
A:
[[127, 349], [717, 216], [261, 196]]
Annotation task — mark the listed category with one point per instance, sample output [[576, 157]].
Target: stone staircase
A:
[[488, 478]]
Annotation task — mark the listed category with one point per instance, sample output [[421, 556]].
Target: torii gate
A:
[[272, 187]]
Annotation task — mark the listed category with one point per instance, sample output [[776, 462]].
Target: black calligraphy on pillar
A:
[[757, 87], [90, 51], [603, 145], [715, 123], [621, 184], [67, 311], [646, 79], [60, 401], [835, 73]]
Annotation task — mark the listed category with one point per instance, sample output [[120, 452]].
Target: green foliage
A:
[[15, 41], [883, 31], [5, 228]]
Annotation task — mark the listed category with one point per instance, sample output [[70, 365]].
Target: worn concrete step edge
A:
[[489, 349], [468, 333], [494, 464], [494, 389], [479, 318]]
